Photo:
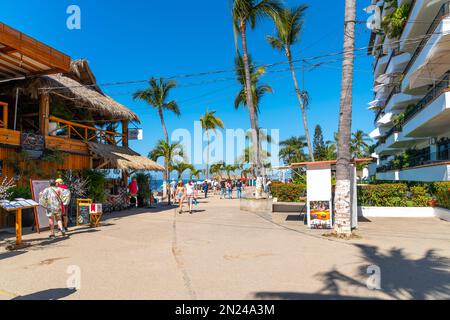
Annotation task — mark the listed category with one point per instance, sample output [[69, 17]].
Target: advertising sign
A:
[[319, 202]]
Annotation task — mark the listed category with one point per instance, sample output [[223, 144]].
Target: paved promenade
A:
[[222, 253]]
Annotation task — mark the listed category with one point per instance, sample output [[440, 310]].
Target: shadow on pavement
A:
[[303, 296], [7, 255], [401, 276], [51, 294]]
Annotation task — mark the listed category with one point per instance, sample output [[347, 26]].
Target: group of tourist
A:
[[184, 192]]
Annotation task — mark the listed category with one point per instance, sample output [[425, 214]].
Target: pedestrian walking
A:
[[53, 199], [223, 186], [239, 187], [181, 195], [206, 188], [229, 189], [190, 194], [65, 212]]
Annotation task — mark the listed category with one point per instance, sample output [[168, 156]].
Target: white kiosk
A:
[[319, 201]]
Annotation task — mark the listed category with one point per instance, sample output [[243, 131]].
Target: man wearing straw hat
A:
[[60, 184]]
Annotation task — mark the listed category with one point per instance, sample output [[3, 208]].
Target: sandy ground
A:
[[220, 252]]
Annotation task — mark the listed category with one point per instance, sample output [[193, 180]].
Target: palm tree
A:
[[289, 24], [209, 121], [156, 95], [330, 150], [343, 205], [217, 168], [292, 150], [258, 90], [195, 173], [247, 156], [181, 168], [247, 12], [169, 152], [360, 144]]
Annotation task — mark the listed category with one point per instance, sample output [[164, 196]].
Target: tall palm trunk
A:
[[166, 160], [207, 155], [300, 101], [250, 104], [343, 184]]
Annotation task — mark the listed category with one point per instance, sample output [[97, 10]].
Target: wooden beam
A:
[[12, 68], [44, 113], [125, 133], [104, 164], [20, 64], [21, 60]]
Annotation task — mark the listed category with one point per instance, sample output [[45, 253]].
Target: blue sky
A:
[[137, 39]]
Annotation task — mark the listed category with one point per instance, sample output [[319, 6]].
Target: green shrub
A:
[[420, 196], [383, 195], [288, 192], [96, 185], [442, 194], [20, 192]]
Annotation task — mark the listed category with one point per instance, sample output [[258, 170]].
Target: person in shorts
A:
[[190, 194], [180, 195]]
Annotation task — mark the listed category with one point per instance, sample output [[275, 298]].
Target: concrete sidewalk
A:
[[220, 252]]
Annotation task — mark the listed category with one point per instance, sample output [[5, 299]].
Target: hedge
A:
[[288, 192], [393, 195], [442, 193]]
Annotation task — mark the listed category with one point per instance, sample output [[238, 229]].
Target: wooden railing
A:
[[85, 133]]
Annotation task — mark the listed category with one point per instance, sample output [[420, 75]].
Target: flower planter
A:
[[256, 205]]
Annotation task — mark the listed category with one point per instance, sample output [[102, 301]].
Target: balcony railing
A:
[[424, 157], [443, 12], [85, 133], [439, 88]]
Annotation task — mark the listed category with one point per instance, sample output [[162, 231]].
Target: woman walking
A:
[[181, 195]]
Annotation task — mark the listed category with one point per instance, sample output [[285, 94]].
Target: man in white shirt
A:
[[190, 193]]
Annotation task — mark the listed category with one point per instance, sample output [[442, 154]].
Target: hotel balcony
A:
[[429, 120], [422, 10], [430, 59], [426, 173]]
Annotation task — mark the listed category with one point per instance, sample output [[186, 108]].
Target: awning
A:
[[386, 119], [435, 65], [375, 134], [122, 158], [21, 56]]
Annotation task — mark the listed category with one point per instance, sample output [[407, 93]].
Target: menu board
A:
[[83, 211], [40, 213]]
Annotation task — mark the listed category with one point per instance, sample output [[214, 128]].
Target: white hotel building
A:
[[412, 95]]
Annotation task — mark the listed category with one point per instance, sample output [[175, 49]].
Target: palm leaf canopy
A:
[[169, 151], [209, 121], [289, 24], [157, 95], [252, 10]]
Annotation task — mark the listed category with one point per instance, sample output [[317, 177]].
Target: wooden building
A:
[[52, 104]]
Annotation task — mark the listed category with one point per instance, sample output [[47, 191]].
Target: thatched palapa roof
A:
[[123, 158], [80, 86]]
